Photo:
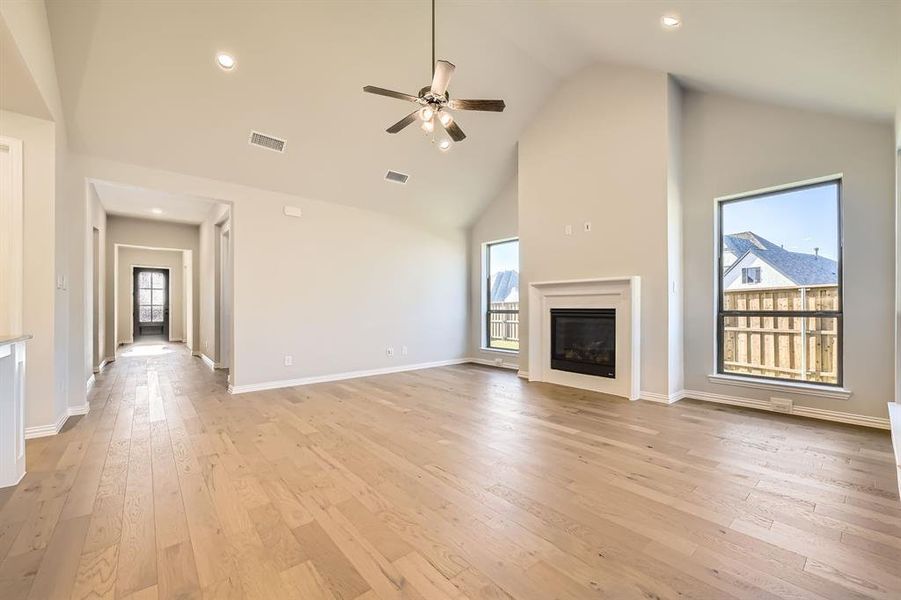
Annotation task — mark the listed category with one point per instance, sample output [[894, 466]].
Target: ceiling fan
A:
[[435, 103]]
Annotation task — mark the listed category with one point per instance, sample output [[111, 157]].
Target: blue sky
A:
[[799, 220], [504, 257]]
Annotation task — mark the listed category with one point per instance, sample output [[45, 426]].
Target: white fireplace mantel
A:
[[620, 293]]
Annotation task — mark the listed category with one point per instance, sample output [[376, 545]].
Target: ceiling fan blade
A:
[[443, 72], [389, 93], [403, 122], [487, 105], [454, 131]]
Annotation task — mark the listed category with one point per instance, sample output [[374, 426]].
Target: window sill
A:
[[499, 350], [806, 389]]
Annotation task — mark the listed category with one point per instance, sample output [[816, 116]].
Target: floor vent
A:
[[267, 141], [396, 177]]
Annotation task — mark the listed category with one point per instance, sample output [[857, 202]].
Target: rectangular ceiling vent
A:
[[267, 141], [396, 177]]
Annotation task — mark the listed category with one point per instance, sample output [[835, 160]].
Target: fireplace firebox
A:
[[583, 340]]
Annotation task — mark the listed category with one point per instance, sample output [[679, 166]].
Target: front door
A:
[[151, 303]]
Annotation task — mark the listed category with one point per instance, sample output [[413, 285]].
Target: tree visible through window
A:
[[502, 289], [780, 294]]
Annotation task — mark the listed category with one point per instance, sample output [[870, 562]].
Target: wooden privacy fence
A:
[[504, 327], [803, 348]]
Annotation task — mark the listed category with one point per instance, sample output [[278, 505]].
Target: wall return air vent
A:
[[267, 141], [396, 177]]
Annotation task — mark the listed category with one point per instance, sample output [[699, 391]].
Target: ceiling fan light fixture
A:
[[426, 113], [444, 144], [446, 118], [428, 126]]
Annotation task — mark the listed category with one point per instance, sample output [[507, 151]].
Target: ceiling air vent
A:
[[267, 141], [396, 177]]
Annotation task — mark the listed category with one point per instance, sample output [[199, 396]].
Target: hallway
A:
[[444, 483]]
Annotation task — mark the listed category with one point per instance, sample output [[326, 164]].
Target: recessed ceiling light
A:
[[156, 211], [226, 61], [670, 22]]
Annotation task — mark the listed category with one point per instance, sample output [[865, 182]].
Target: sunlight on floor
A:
[[147, 350]]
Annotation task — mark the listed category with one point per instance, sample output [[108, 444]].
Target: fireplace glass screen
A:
[[583, 340]]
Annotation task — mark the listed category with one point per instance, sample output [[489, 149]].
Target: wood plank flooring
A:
[[457, 482]]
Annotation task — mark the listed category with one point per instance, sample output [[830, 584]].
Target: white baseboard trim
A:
[[79, 410], [89, 383], [523, 374], [196, 353], [490, 363], [661, 398], [40, 431], [99, 369], [208, 362], [284, 383], [801, 411]]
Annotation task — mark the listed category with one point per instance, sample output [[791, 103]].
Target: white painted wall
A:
[[208, 341], [96, 219], [149, 234], [43, 406], [333, 288], [27, 23], [731, 146], [141, 257], [599, 151], [675, 315], [499, 221]]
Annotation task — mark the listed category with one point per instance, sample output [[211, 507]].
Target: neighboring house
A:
[[505, 287], [751, 261]]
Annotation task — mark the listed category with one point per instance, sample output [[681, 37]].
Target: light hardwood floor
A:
[[458, 482]]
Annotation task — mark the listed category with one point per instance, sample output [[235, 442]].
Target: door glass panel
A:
[[151, 297]]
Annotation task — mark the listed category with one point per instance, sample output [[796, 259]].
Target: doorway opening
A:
[[151, 304], [97, 355], [224, 295]]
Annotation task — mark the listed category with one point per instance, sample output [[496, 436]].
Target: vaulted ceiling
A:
[[140, 84]]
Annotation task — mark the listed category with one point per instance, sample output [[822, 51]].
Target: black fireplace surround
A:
[[583, 340]]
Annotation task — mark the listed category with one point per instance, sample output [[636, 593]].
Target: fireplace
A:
[[583, 340]]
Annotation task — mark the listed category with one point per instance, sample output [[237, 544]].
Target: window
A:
[[750, 275], [502, 291], [779, 305], [151, 296]]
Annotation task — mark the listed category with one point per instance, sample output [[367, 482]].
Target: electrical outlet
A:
[[389, 351], [783, 405], [403, 351], [586, 226], [289, 360], [568, 229]]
